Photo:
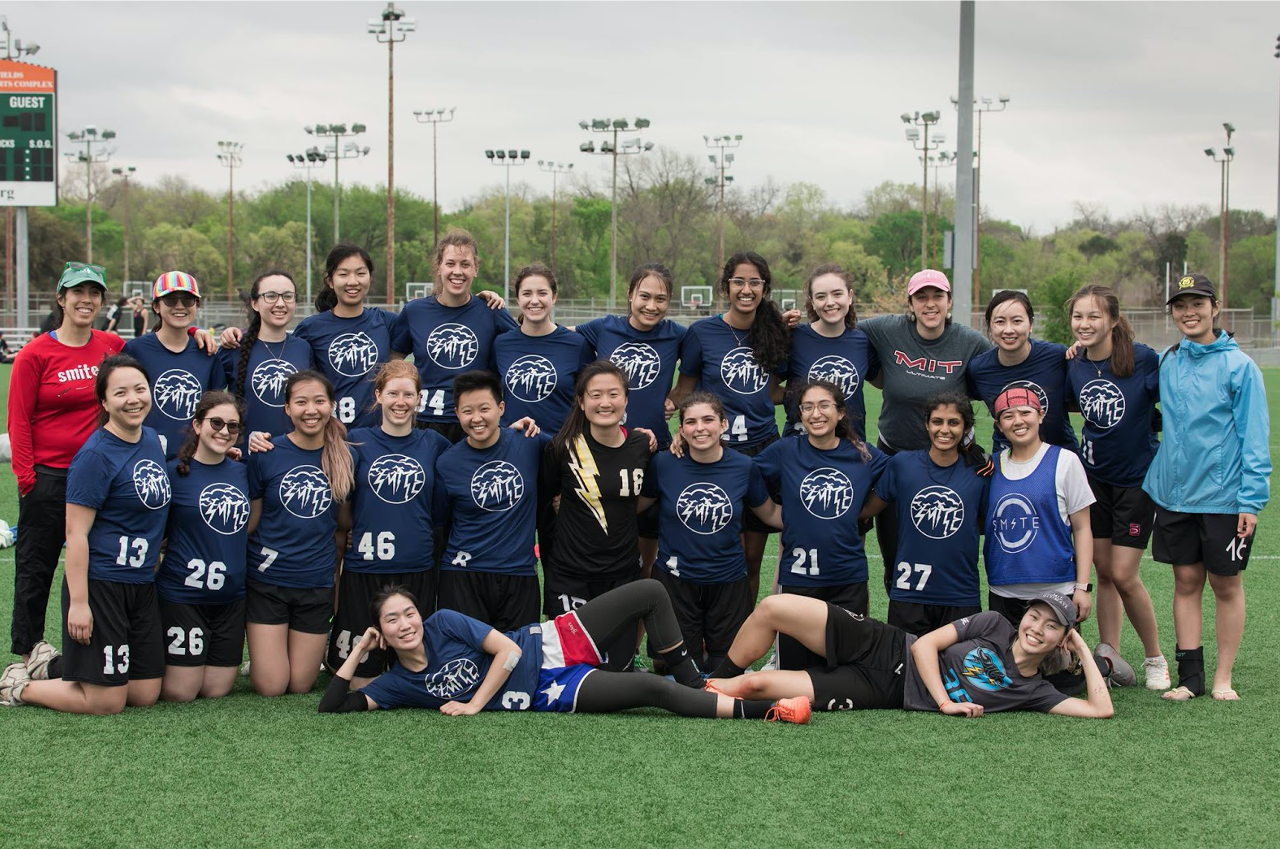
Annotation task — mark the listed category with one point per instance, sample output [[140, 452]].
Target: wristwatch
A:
[[1086, 587]]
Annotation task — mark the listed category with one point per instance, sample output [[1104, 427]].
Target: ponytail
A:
[[247, 341], [335, 460], [575, 424]]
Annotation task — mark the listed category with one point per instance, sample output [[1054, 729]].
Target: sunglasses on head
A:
[[218, 424], [77, 266]]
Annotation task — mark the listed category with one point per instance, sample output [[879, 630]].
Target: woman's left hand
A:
[[1084, 604], [526, 424], [791, 317], [493, 299], [653, 440], [1245, 525], [460, 708]]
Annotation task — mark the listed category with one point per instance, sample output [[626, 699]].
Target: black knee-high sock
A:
[[682, 667], [751, 708], [608, 617], [727, 669], [1191, 669], [55, 667]]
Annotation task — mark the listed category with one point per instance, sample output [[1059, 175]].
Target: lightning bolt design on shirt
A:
[[583, 464]]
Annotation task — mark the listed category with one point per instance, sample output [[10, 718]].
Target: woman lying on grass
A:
[[975, 664], [460, 666]]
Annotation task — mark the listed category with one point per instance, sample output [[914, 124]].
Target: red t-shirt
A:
[[52, 405]]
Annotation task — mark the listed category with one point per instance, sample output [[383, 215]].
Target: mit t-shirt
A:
[[492, 495], [177, 382], [1044, 372], [596, 531], [456, 666], [206, 557], [979, 668], [1118, 441], [941, 511], [445, 342], [701, 506], [539, 375], [649, 359], [269, 366], [126, 484], [914, 369], [293, 545], [396, 502], [848, 361], [720, 357], [822, 492], [349, 351]]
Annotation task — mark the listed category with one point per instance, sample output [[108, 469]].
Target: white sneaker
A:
[[1122, 674], [42, 654], [13, 681], [1157, 672]]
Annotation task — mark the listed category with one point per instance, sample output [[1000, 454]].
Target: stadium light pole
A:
[[314, 158], [392, 26], [88, 137], [435, 117], [1275, 294], [13, 47], [229, 157], [125, 172], [339, 152], [1224, 198], [554, 169], [944, 159], [610, 147], [924, 120], [986, 106], [720, 162], [508, 159]]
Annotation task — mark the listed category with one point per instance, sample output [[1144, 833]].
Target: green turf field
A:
[[248, 771]]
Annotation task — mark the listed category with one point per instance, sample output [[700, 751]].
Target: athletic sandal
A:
[[1178, 694], [795, 710], [13, 681], [42, 654], [1156, 670], [1227, 695]]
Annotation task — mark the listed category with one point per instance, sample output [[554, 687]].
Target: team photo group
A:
[[449, 508]]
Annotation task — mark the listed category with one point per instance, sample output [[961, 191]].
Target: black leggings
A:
[[607, 617], [608, 692]]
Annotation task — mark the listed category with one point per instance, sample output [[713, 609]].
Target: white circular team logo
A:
[[1102, 403], [639, 361], [453, 346], [305, 492], [353, 354], [453, 679], [704, 508], [151, 483], [497, 486], [740, 373], [396, 478], [837, 370], [1030, 387], [268, 380], [176, 394], [224, 508], [826, 493], [937, 512], [1015, 523], [531, 378]]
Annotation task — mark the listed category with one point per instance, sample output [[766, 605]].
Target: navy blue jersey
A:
[[822, 493], [848, 361], [941, 511], [456, 667], [177, 382], [649, 359], [293, 545], [720, 357], [269, 366], [206, 557], [701, 506], [395, 508], [445, 342], [349, 351], [1044, 371], [492, 496], [539, 374], [1119, 441], [126, 483]]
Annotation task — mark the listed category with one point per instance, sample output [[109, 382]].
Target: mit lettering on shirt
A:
[[924, 364]]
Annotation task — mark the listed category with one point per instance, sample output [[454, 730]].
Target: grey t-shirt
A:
[[979, 668], [914, 369]]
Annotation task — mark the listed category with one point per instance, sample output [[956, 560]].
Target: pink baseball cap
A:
[[928, 277]]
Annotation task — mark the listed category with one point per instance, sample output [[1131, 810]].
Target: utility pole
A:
[[554, 169]]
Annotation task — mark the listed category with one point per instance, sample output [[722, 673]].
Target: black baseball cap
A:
[[1193, 284]]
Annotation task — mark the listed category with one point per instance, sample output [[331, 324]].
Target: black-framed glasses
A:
[[753, 282], [78, 266], [272, 297], [178, 299], [218, 424]]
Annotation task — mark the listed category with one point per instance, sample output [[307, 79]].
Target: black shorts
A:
[[865, 665], [793, 654], [125, 643], [451, 431], [1126, 514], [504, 602], [307, 610], [709, 614], [1012, 609], [920, 619], [355, 594], [564, 593], [647, 522], [1209, 538], [203, 634], [751, 523]]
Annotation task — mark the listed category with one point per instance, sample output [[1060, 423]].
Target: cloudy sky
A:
[[1112, 103]]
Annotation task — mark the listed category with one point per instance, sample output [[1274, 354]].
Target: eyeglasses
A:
[[218, 424], [272, 297], [824, 406], [179, 300], [754, 282]]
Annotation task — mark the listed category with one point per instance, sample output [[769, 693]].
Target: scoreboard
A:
[[28, 135]]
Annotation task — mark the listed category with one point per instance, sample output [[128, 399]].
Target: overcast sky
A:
[[1111, 102]]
